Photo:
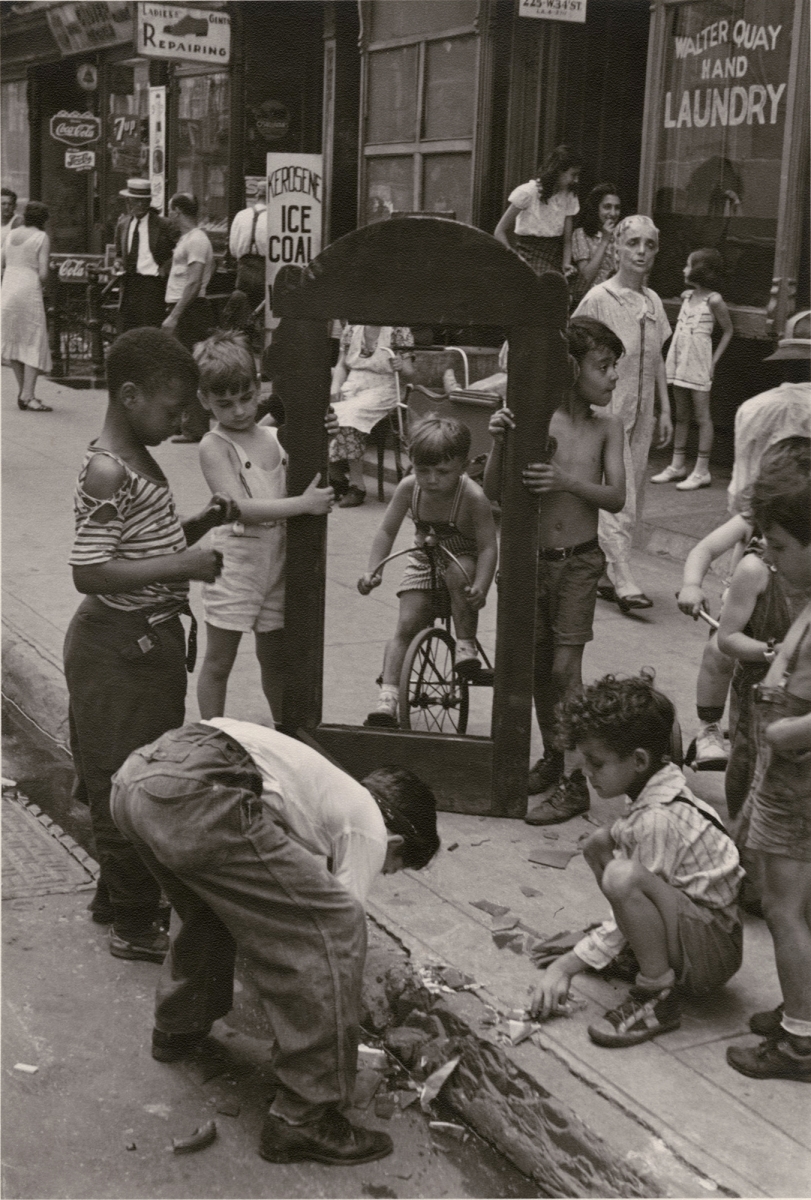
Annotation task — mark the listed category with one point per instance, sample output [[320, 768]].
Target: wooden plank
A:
[[459, 770]]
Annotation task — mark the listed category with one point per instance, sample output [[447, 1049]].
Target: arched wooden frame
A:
[[422, 271]]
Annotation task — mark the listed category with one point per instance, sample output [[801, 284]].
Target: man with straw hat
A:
[[143, 245]]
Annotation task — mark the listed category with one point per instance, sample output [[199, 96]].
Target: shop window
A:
[[14, 140], [393, 19], [420, 110], [720, 141], [127, 133], [203, 121]]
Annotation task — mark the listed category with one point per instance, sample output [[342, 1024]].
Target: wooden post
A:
[[536, 376], [94, 327], [303, 385]]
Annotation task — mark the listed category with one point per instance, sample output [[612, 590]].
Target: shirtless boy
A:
[[585, 474]]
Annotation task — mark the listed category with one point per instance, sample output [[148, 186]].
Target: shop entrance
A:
[[422, 271]]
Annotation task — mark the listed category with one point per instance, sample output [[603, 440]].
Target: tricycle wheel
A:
[[432, 698]]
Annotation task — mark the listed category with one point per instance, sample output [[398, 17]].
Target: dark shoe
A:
[[468, 669], [33, 405], [149, 947], [784, 1059], [101, 912], [623, 966], [569, 799], [171, 1047], [331, 1139], [353, 498], [384, 714], [767, 1024], [185, 440], [606, 592], [644, 1015], [547, 773], [628, 604]]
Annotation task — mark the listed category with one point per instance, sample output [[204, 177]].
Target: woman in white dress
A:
[[25, 333]]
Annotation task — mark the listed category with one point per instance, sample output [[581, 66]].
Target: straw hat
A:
[[137, 189]]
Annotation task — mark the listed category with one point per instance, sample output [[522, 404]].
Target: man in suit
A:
[[144, 243]]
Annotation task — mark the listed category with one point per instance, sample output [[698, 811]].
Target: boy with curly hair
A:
[[667, 867]]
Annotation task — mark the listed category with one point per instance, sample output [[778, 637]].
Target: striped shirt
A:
[[145, 525], [675, 841]]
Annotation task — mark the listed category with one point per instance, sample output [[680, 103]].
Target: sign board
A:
[[87, 76], [72, 268], [75, 128], [80, 160], [157, 147], [295, 185], [191, 34], [79, 26], [554, 10]]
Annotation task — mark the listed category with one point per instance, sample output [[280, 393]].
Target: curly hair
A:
[[561, 159], [781, 494], [590, 212], [586, 333], [624, 714], [150, 358]]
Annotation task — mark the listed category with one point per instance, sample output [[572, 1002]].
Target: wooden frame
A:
[[422, 271], [748, 321]]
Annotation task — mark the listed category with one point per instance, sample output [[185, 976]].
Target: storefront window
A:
[[420, 105], [14, 139], [204, 114], [720, 140], [127, 133]]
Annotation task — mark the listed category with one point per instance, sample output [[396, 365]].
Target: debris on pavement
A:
[[480, 842], [228, 1107], [553, 856], [552, 835], [435, 1082], [530, 891], [495, 910], [450, 1128], [453, 846], [26, 1068], [366, 1084], [519, 1031], [507, 937], [385, 1105], [158, 1110], [406, 1099], [505, 923], [372, 1057], [130, 1146], [203, 1136]]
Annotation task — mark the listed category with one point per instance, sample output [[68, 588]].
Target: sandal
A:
[[34, 405]]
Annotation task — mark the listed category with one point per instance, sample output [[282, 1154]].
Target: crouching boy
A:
[[667, 867]]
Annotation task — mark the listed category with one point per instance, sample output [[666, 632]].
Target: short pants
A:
[[566, 598], [249, 594], [711, 941]]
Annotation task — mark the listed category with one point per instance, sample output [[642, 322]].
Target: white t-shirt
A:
[[242, 237], [782, 412], [325, 810], [193, 247], [539, 218]]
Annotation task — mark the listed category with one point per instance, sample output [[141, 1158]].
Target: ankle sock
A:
[[709, 713], [466, 648], [656, 985], [796, 1027], [702, 466], [389, 691]]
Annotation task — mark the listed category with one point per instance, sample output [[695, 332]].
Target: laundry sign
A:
[[190, 34]]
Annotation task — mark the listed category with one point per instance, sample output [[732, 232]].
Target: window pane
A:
[[393, 18], [390, 187], [446, 184], [202, 161], [392, 95], [450, 88], [721, 128], [127, 134], [14, 139]]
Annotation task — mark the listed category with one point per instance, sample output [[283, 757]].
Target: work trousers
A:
[[616, 530], [195, 325], [120, 698], [190, 803]]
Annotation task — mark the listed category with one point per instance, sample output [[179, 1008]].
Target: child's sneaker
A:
[[468, 667], [698, 479], [384, 714], [546, 774], [767, 1024], [644, 1015], [710, 752], [788, 1058], [670, 475], [569, 799], [151, 946]]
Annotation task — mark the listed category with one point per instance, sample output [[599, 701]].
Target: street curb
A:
[[85, 860]]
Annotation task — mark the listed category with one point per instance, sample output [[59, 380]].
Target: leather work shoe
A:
[[768, 1024], [569, 799], [788, 1058], [171, 1047], [545, 774], [151, 946], [331, 1139]]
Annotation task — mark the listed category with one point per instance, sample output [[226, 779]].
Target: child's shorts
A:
[[419, 577], [566, 598], [249, 593], [711, 941]]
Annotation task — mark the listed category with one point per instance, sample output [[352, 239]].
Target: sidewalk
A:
[[667, 1107]]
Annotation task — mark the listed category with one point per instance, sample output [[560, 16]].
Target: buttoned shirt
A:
[[240, 239], [146, 264], [675, 841], [782, 412]]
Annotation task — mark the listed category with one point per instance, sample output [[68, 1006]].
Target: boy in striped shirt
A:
[[125, 653], [667, 867]]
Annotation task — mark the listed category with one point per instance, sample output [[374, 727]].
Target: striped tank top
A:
[[145, 524]]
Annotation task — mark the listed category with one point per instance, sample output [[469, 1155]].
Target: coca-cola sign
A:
[[73, 268], [75, 128]]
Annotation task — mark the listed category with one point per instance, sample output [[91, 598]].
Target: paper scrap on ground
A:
[[530, 891], [495, 910], [552, 856], [435, 1081]]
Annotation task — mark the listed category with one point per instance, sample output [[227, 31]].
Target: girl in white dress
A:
[[541, 212], [25, 332], [691, 363]]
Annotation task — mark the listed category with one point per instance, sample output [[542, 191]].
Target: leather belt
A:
[[559, 553]]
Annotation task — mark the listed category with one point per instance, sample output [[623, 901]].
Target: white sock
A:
[[702, 466], [389, 691], [796, 1026], [466, 648]]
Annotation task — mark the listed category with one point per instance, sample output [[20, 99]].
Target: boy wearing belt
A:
[[586, 473]]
